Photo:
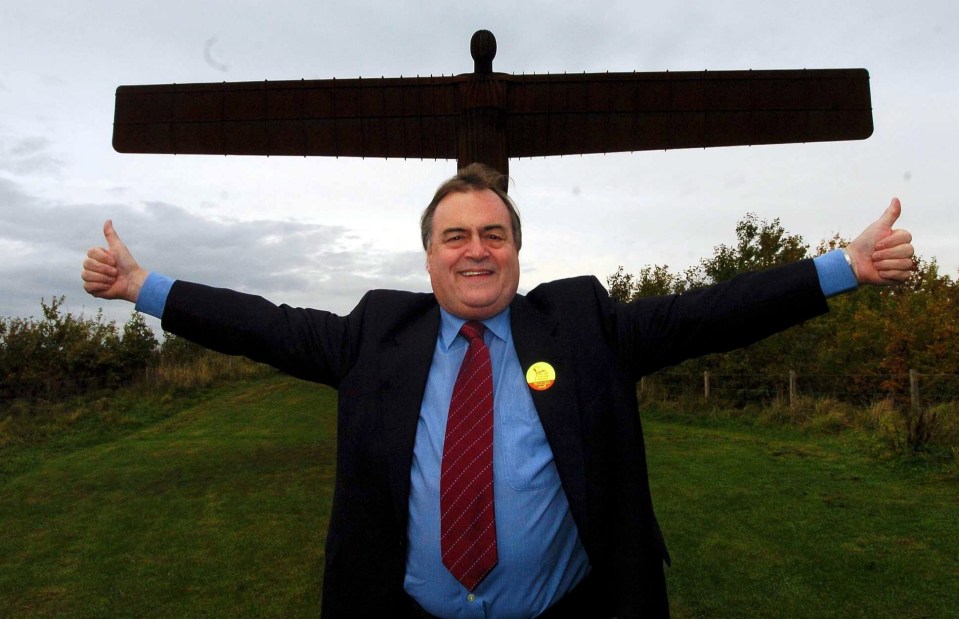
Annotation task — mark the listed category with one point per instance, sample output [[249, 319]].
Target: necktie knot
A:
[[473, 330]]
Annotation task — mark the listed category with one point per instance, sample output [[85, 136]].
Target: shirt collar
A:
[[450, 326]]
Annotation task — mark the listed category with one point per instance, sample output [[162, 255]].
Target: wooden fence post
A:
[[792, 389], [706, 385]]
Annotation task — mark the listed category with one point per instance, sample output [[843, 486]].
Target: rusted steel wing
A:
[[615, 112], [387, 117], [492, 117]]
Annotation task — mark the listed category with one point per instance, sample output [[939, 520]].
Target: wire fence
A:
[[918, 389]]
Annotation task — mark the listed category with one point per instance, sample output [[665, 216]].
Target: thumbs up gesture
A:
[[881, 255], [111, 272]]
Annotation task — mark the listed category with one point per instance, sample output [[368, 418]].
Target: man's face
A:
[[472, 257]]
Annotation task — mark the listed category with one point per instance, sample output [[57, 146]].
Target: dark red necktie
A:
[[467, 523]]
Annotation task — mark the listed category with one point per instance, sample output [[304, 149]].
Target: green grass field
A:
[[771, 523], [220, 510]]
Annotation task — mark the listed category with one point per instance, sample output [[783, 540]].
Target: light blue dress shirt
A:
[[537, 540]]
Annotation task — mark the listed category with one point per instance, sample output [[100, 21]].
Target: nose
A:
[[477, 249]]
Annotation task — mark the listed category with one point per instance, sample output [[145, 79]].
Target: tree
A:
[[871, 339], [759, 244], [139, 344]]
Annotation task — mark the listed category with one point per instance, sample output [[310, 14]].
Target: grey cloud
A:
[[29, 146], [285, 261], [27, 155]]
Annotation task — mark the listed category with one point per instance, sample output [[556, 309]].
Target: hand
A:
[[881, 255], [111, 272]]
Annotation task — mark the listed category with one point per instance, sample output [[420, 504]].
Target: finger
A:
[[101, 255], [904, 250], [95, 288], [895, 276], [93, 275], [901, 264], [895, 237], [899, 252], [95, 266]]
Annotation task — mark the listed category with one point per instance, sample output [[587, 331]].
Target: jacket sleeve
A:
[[655, 332], [310, 344]]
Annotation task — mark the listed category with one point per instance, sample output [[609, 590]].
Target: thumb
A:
[[113, 239], [891, 214]]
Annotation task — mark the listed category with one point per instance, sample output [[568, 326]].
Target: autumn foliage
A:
[[860, 353]]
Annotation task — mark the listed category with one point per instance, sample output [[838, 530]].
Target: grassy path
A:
[[220, 511]]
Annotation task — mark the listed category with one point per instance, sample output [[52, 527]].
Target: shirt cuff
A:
[[153, 294], [835, 273]]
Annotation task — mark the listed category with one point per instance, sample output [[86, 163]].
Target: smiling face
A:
[[472, 257]]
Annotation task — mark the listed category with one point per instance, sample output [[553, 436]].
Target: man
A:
[[567, 501]]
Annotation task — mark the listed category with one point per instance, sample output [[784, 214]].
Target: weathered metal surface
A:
[[491, 117]]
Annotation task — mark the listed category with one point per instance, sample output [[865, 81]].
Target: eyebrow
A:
[[488, 228]]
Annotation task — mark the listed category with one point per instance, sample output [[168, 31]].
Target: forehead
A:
[[470, 209]]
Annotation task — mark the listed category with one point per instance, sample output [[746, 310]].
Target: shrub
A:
[[62, 355]]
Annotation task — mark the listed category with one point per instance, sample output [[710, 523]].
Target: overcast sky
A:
[[320, 232]]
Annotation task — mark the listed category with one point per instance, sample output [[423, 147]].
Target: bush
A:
[[63, 355], [917, 430]]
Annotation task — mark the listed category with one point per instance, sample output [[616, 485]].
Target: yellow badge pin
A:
[[540, 376]]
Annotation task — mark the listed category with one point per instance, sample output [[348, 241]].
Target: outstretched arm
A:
[[111, 272], [881, 255]]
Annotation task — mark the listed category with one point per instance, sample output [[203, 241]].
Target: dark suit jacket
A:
[[378, 357]]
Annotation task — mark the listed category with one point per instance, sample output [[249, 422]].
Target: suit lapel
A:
[[406, 365], [536, 338]]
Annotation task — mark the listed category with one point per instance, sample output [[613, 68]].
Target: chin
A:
[[473, 313], [481, 311]]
